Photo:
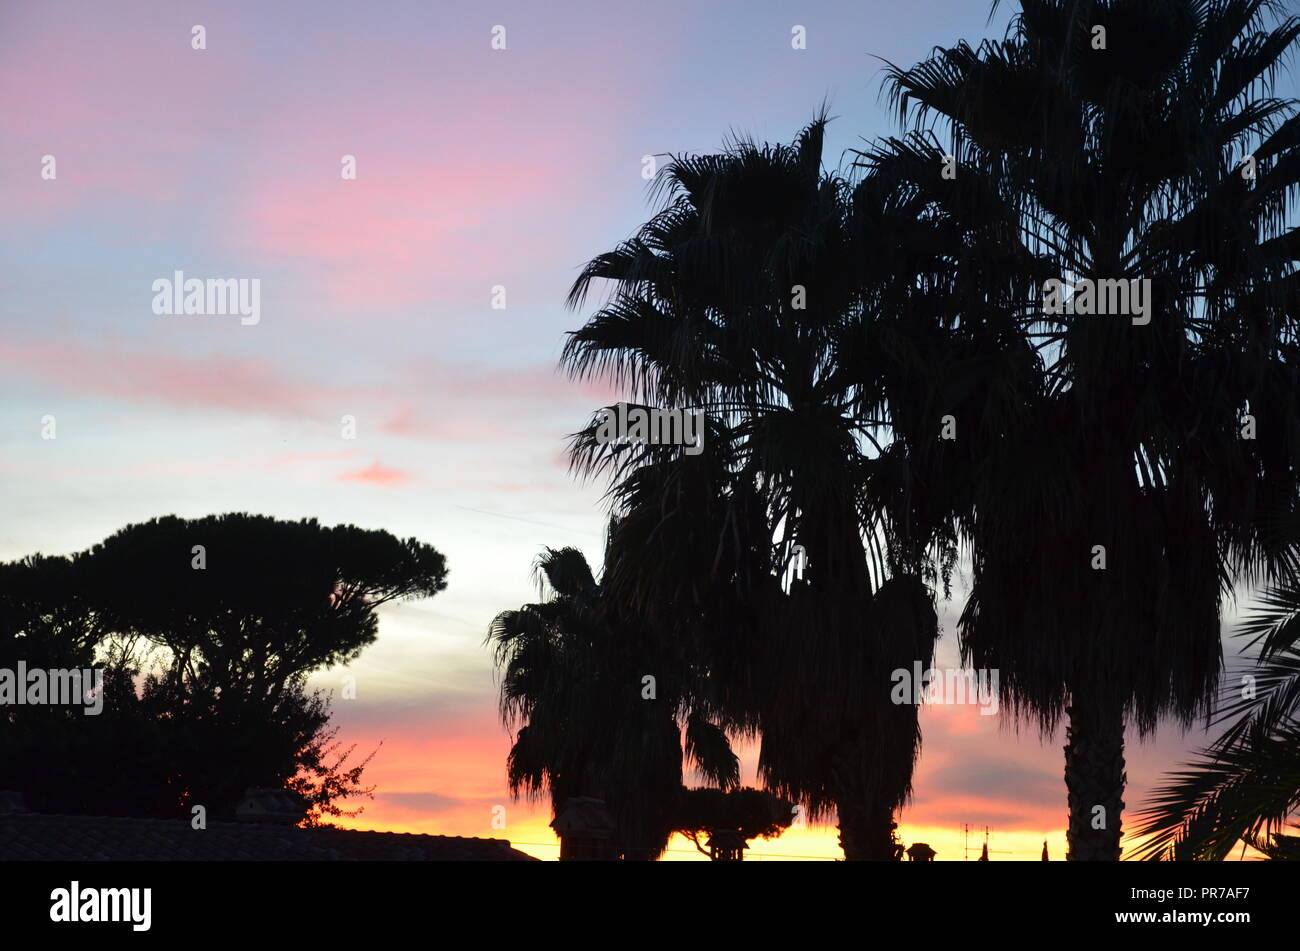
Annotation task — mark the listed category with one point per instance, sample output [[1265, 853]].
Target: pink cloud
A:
[[410, 423], [109, 82], [377, 474], [221, 381], [391, 237], [429, 400]]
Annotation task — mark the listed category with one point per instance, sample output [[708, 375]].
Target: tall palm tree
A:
[[1107, 521], [572, 686], [742, 299]]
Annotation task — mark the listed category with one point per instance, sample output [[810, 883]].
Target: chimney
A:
[[585, 830], [271, 807], [727, 845]]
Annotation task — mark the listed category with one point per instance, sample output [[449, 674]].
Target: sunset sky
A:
[[475, 168]]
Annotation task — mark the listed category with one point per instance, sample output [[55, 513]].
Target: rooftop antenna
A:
[[984, 849]]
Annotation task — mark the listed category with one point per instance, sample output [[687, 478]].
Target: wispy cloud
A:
[[377, 474]]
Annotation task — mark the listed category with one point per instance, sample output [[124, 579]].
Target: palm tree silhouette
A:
[[572, 682], [1113, 134], [1246, 786], [743, 298]]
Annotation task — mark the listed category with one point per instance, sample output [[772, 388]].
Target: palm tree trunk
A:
[[866, 831], [1094, 777]]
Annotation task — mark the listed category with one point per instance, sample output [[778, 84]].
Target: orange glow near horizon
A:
[[446, 776], [528, 830], [466, 764]]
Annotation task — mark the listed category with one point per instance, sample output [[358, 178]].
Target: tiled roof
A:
[[29, 836]]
